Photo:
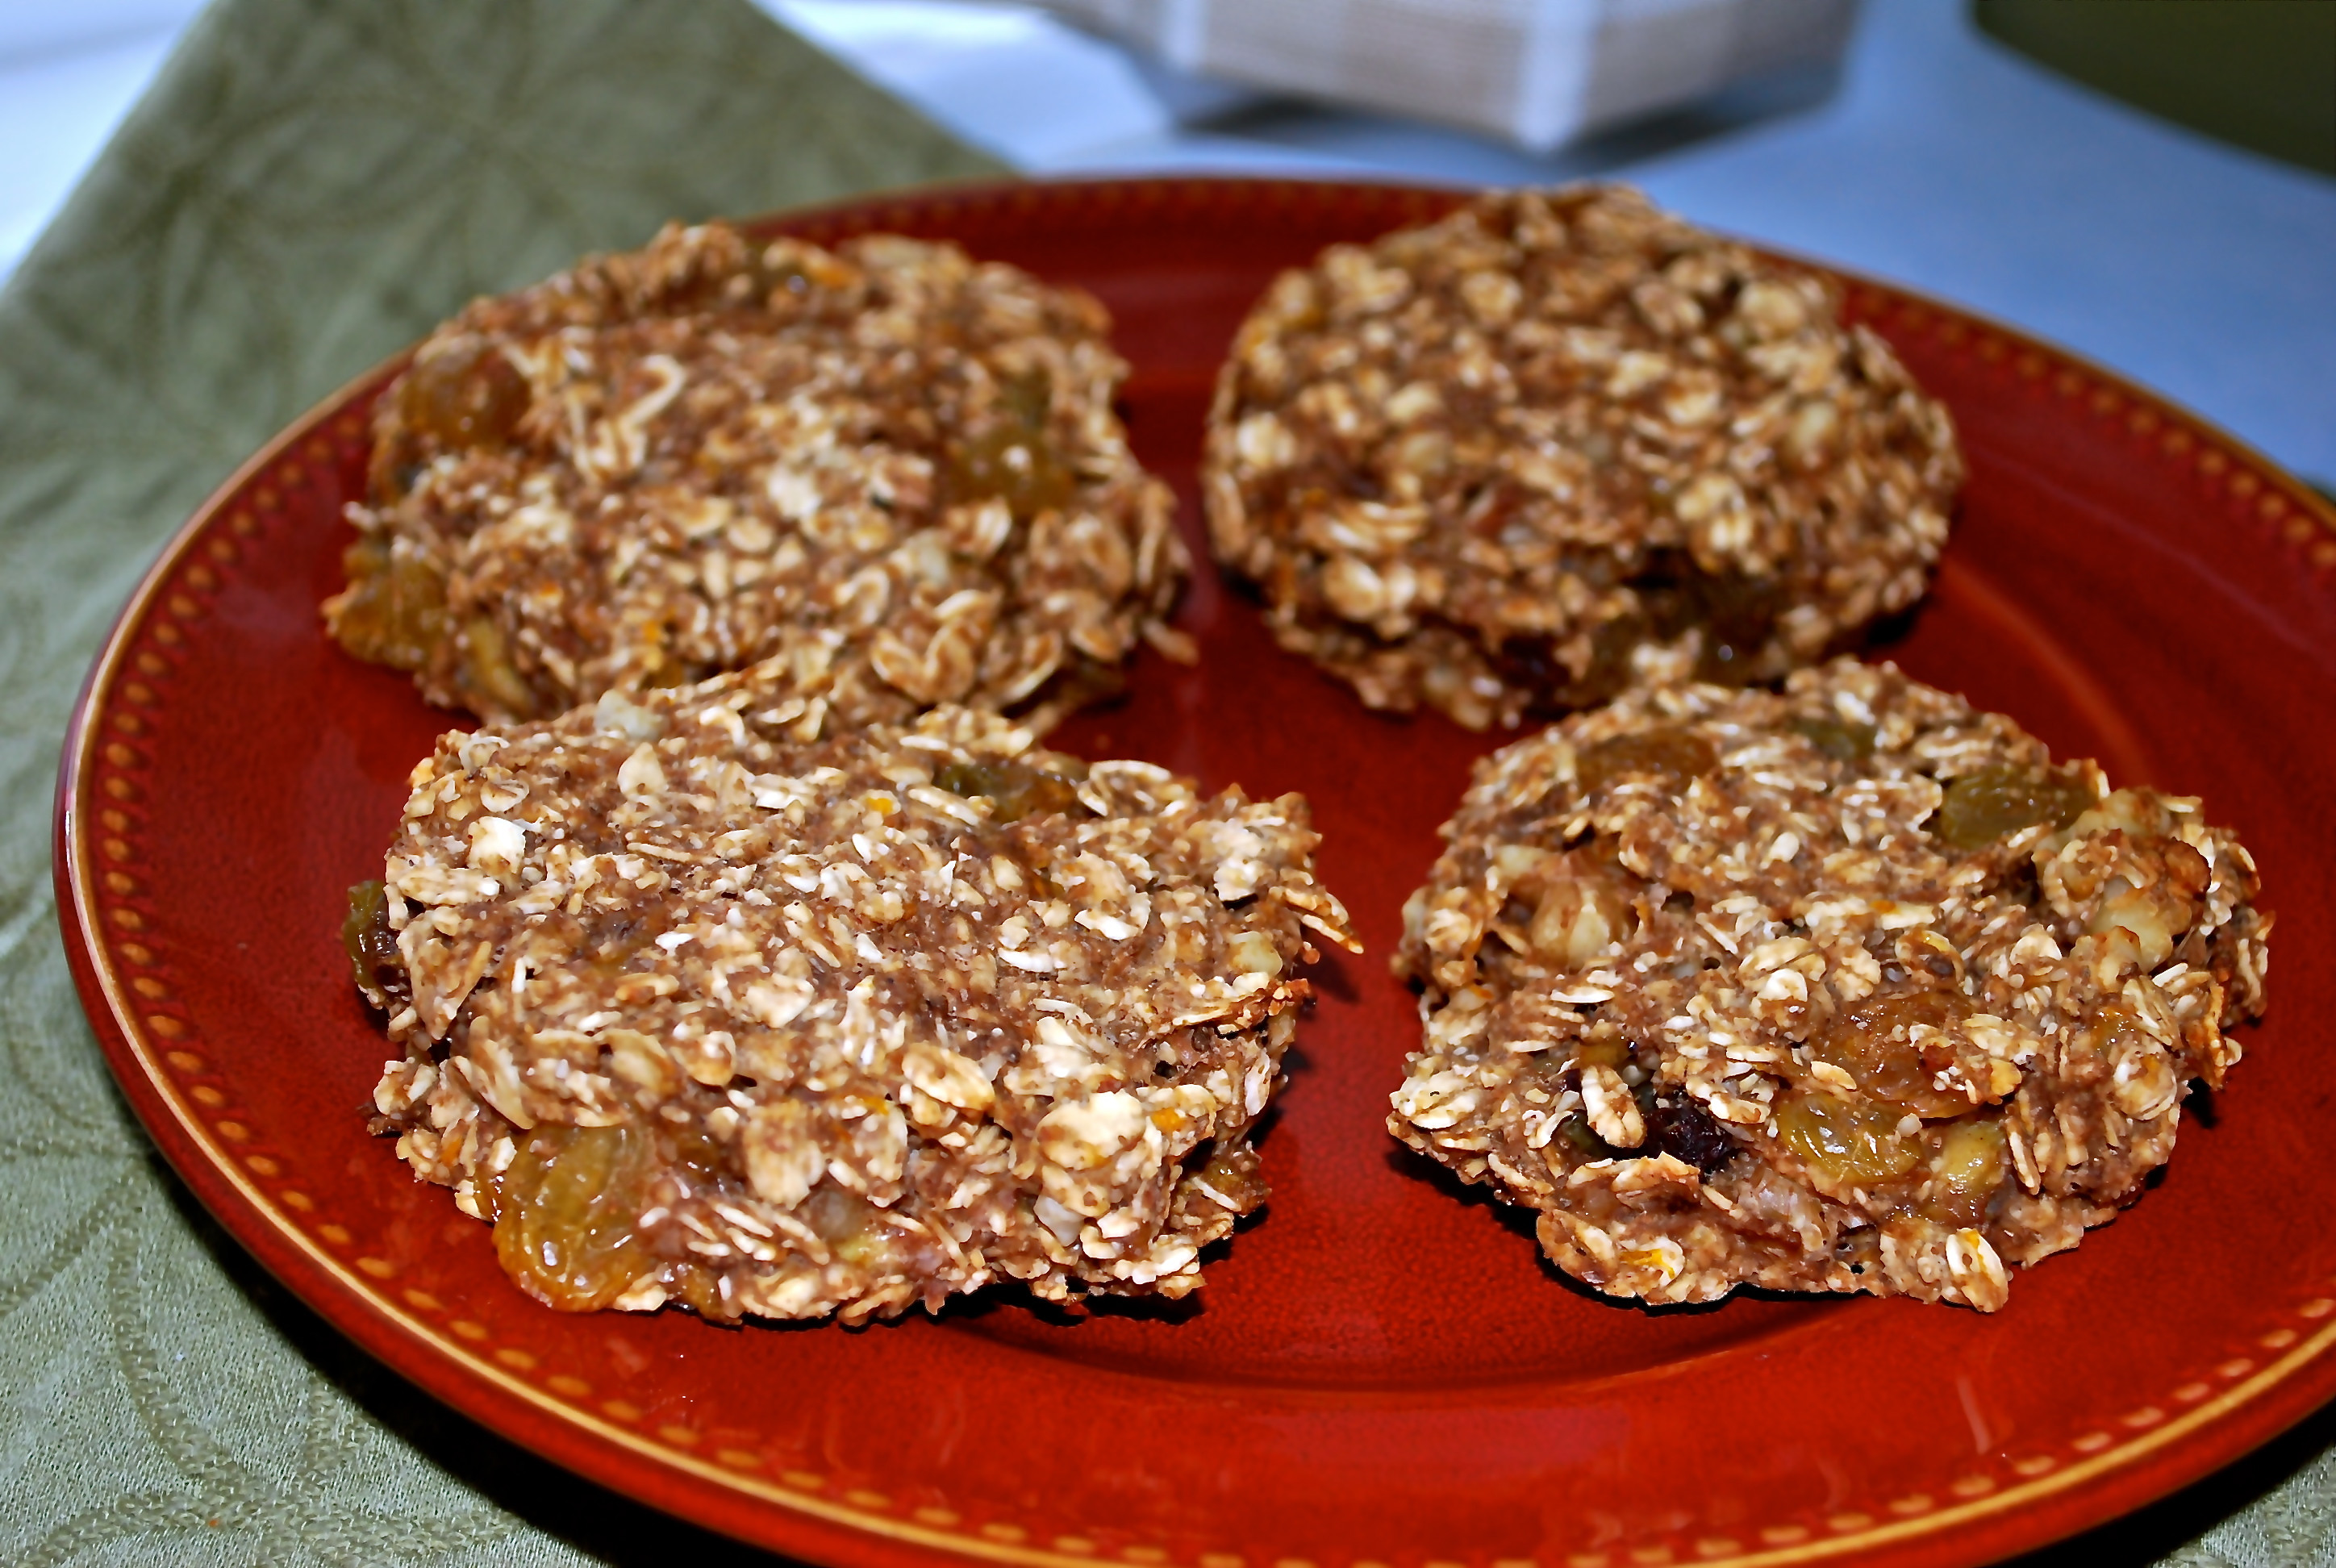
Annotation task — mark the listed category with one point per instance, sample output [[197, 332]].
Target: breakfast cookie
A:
[[1846, 988], [1511, 462], [693, 1010], [892, 467]]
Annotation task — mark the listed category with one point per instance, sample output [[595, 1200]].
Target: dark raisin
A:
[[1678, 1126], [1738, 616], [1531, 663]]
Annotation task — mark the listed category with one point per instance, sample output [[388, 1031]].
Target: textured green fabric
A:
[[312, 183], [309, 185]]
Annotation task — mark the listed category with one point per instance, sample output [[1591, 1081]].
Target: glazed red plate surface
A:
[[1381, 1369]]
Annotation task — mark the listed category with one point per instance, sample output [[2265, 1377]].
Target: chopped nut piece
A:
[[1613, 1115], [772, 1026], [1896, 1061], [1561, 442]]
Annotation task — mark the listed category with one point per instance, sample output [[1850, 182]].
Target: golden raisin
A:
[[1998, 801], [1673, 754], [1966, 1171], [463, 399], [1874, 1043], [490, 683], [2112, 1034], [1603, 1049], [1027, 399], [1015, 789], [665, 671], [1833, 738], [394, 609], [1013, 459], [371, 946], [848, 1223], [567, 1214], [1576, 1130], [1234, 1179], [1846, 1142], [694, 1155]]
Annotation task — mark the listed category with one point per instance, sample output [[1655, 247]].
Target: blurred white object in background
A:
[[1538, 72], [1008, 77], [1052, 97]]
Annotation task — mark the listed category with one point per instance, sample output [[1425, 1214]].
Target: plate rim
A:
[[2128, 1474]]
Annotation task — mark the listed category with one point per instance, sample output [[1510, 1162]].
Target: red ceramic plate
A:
[[1381, 1370]]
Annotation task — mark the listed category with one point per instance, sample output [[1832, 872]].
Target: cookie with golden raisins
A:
[[892, 466], [1848, 988], [692, 1011], [1559, 441]]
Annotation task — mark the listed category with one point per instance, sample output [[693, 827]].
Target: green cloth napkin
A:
[[309, 185]]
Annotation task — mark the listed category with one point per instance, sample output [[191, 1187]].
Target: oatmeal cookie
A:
[[893, 467], [692, 1011], [1846, 988], [1560, 441]]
